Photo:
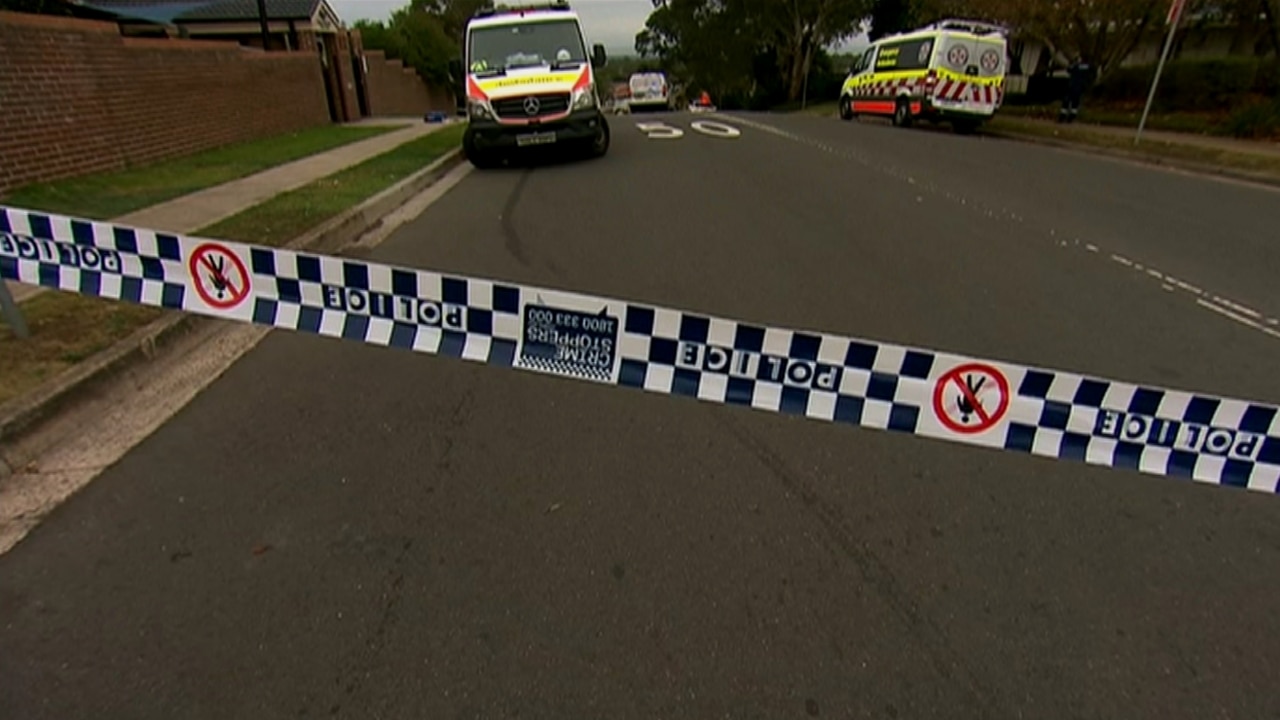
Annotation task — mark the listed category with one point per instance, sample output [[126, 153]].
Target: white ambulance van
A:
[[950, 71], [649, 91], [530, 83]]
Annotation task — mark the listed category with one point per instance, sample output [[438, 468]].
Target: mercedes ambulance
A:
[[530, 83], [950, 71], [649, 91]]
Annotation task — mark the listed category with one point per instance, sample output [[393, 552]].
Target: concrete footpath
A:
[[189, 213], [1208, 142], [1253, 161]]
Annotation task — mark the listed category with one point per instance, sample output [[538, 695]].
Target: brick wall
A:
[[76, 97], [396, 90]]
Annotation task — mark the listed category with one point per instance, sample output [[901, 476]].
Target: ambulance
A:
[[530, 83], [649, 91], [950, 71]]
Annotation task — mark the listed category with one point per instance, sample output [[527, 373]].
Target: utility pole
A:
[[262, 21], [1175, 16], [808, 63], [12, 315], [804, 95]]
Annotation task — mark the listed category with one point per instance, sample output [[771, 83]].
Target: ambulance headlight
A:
[[584, 98], [479, 109]]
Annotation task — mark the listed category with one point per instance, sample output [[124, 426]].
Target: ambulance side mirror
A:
[[598, 56], [455, 69]]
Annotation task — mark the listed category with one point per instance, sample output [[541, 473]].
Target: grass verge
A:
[[1186, 122], [106, 195], [67, 328], [826, 109], [286, 216], [1262, 165]]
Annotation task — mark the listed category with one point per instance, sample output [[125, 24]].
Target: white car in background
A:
[[649, 91]]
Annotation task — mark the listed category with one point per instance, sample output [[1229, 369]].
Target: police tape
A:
[[985, 403]]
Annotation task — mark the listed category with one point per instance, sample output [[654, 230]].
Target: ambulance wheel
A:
[[846, 109], [481, 159], [902, 114], [599, 145]]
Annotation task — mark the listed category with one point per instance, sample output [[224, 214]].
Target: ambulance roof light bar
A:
[[977, 27], [561, 5]]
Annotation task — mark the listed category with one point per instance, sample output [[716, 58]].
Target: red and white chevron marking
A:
[[889, 88], [960, 91], [952, 90]]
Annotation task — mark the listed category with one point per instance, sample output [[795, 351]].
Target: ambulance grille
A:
[[513, 108]]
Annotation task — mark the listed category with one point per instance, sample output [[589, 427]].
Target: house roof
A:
[[182, 11]]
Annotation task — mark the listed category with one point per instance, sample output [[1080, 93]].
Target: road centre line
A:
[[1194, 290]]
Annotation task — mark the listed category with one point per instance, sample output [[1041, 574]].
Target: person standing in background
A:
[[1078, 76]]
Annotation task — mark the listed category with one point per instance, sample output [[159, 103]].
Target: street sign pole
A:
[[1175, 16], [263, 25], [804, 94], [12, 315]]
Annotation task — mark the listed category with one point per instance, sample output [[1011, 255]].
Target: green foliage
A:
[[891, 16], [1256, 120], [1194, 85], [425, 34], [620, 69], [740, 50], [40, 7]]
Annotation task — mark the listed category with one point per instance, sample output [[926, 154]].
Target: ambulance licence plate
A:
[[542, 138]]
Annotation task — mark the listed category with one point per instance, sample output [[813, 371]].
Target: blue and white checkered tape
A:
[[860, 382]]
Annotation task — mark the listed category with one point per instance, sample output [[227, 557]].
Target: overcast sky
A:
[[611, 22]]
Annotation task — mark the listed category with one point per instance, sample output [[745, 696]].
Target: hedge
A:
[[1257, 120], [1195, 85]]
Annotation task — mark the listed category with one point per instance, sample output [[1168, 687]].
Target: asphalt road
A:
[[342, 531]]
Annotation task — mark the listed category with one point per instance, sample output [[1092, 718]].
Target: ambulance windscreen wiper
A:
[[565, 64]]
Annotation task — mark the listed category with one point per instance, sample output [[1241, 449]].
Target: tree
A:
[[895, 16], [377, 35], [39, 7], [710, 43], [800, 28], [891, 16], [1102, 32], [425, 34], [1256, 22], [720, 43]]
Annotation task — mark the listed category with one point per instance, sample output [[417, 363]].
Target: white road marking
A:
[[1238, 307], [1193, 289], [1225, 307], [1238, 318]]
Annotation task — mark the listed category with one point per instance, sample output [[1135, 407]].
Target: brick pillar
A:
[[349, 105]]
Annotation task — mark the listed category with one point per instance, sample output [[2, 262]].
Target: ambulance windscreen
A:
[[523, 45]]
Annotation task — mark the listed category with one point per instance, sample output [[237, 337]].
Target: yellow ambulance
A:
[[950, 71]]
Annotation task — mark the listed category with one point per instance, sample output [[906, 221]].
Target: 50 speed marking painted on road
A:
[[658, 130], [859, 382]]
